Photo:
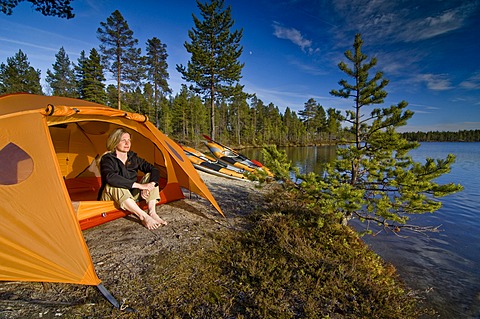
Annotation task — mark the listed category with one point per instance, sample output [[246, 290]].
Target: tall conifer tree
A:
[[180, 113], [135, 76], [308, 113], [18, 76], [62, 78], [314, 117], [90, 77], [157, 73], [374, 177], [215, 50], [333, 123], [239, 110], [118, 46]]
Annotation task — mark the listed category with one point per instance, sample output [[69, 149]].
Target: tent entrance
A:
[[78, 147]]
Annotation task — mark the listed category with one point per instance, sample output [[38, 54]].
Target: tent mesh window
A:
[[15, 165]]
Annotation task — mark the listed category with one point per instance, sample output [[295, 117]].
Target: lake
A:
[[444, 267]]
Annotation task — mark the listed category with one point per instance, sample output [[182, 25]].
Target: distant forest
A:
[[436, 136]]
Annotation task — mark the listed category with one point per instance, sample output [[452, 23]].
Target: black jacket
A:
[[116, 174]]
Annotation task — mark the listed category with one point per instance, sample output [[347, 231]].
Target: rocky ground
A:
[[117, 247]]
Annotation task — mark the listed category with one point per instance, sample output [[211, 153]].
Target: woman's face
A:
[[124, 144]]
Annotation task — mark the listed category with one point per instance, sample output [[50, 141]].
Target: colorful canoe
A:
[[210, 165], [231, 157]]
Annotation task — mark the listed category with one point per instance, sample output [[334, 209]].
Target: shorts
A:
[[120, 195]]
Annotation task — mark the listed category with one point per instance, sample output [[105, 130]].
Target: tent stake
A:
[[112, 299], [108, 295]]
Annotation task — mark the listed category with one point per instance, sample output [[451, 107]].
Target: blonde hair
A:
[[114, 138]]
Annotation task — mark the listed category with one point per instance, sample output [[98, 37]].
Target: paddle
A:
[[241, 155]]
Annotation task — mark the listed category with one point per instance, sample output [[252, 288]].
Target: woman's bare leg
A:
[[153, 213], [148, 221]]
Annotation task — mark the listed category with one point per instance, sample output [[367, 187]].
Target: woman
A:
[[119, 167]]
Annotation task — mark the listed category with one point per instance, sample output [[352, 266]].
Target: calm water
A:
[[444, 267]]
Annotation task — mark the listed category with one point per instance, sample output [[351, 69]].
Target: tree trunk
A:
[[238, 124], [212, 117], [119, 90]]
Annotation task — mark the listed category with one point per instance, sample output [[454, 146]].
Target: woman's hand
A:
[[146, 188], [145, 193]]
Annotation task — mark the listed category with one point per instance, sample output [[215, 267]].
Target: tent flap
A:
[[40, 236]]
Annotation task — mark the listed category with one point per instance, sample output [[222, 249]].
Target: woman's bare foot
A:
[[150, 222], [157, 218]]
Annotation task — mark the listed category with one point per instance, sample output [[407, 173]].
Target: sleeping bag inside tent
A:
[[49, 182]]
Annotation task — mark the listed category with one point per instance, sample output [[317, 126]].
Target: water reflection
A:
[[307, 159]]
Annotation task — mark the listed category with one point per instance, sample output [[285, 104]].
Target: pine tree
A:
[[118, 47], [273, 122], [314, 117], [57, 8], [180, 113], [198, 119], [135, 76], [157, 73], [258, 117], [320, 119], [80, 73], [249, 126], [215, 50], [62, 79], [333, 123], [373, 177], [148, 101], [112, 96], [301, 131], [166, 111], [308, 113], [138, 103], [90, 77], [240, 113], [18, 76], [293, 127]]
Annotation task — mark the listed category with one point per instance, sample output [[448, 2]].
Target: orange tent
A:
[[49, 181]]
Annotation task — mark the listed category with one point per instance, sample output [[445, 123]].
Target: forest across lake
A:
[[443, 136]]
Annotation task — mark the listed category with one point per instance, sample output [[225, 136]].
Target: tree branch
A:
[[395, 227]]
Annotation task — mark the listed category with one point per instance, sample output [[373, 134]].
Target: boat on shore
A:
[[213, 166], [231, 157]]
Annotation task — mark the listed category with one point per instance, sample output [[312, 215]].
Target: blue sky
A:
[[429, 50]]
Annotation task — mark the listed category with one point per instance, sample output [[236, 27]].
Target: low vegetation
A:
[[291, 262]]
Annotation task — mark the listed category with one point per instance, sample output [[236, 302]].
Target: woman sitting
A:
[[119, 167]]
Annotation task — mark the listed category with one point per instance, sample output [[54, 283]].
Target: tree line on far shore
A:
[[443, 136]]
